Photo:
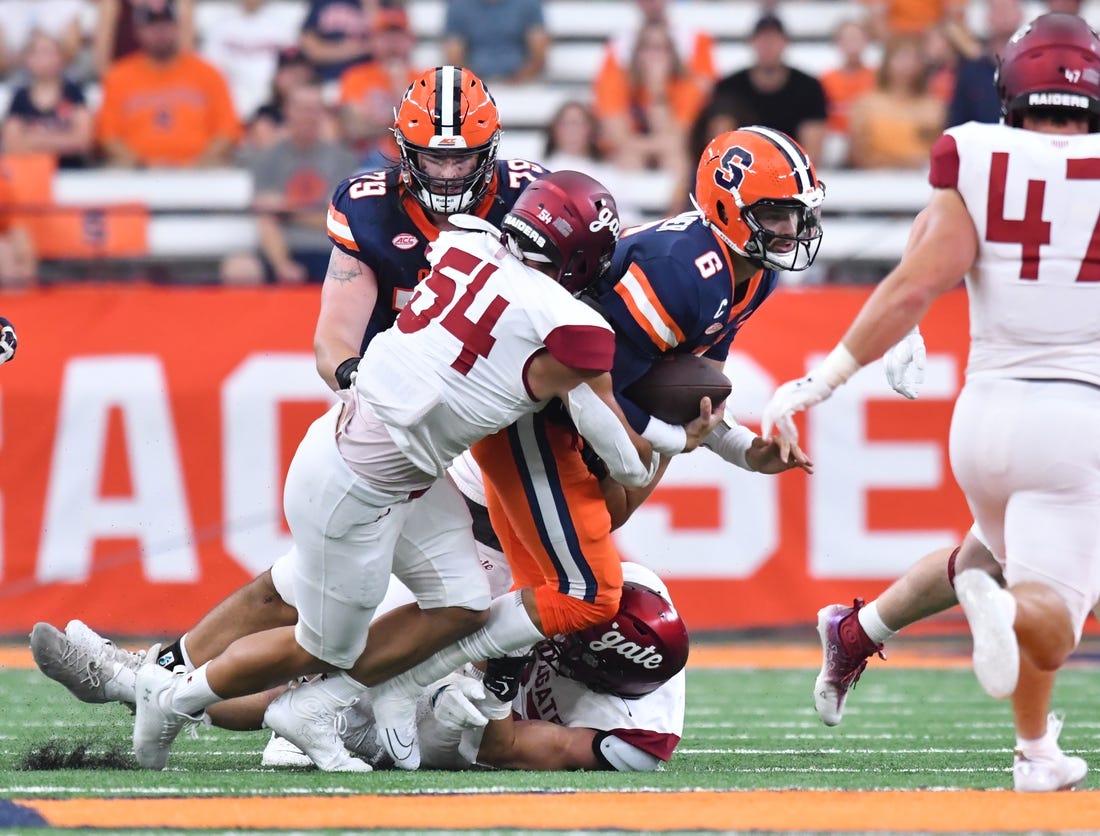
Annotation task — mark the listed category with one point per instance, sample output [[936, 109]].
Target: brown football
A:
[[672, 388]]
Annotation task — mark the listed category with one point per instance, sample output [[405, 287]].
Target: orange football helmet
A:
[[447, 122], [757, 189]]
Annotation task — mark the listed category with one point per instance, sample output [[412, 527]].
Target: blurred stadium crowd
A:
[[284, 99]]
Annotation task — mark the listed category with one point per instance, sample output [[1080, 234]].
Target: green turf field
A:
[[745, 730]]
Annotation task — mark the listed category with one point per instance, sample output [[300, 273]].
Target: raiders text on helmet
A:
[[1052, 62], [568, 220]]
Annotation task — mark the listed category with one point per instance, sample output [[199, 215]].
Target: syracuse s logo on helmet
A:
[[731, 171]]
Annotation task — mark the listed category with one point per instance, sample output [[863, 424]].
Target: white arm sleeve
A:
[[601, 428]]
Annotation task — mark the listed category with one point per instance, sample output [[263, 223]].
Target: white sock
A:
[[1044, 749], [189, 665], [873, 625], [341, 687], [193, 692], [509, 628]]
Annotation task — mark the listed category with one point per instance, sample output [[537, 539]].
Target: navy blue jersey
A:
[[374, 219], [674, 293]]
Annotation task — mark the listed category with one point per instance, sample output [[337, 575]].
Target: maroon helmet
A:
[[568, 220], [633, 654], [1052, 62]]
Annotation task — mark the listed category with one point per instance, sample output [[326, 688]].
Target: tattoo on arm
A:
[[343, 267]]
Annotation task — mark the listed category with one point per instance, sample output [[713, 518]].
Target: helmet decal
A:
[[758, 192]]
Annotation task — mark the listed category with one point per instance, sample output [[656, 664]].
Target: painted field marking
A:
[[769, 810]]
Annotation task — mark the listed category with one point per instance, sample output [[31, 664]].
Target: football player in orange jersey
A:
[[685, 284]]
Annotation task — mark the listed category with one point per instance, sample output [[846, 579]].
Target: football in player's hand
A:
[[672, 388]]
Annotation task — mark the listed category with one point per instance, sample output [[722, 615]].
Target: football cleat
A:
[[357, 730], [1063, 772], [281, 752], [394, 706], [842, 663], [156, 723], [307, 716], [92, 668], [990, 612]]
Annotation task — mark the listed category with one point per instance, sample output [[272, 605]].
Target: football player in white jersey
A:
[[611, 696], [1016, 211], [492, 333]]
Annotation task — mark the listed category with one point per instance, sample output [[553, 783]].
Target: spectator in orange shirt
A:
[[164, 107], [644, 121], [694, 48], [895, 125], [846, 83], [887, 18], [18, 265], [369, 92]]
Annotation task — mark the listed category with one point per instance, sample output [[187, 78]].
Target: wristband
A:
[[732, 444], [345, 372], [667, 439], [837, 367]]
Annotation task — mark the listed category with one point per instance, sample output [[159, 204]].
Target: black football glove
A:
[[8, 342], [596, 466], [504, 675]]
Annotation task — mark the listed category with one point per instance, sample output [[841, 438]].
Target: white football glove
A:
[[904, 364], [453, 702], [8, 342], [793, 396]]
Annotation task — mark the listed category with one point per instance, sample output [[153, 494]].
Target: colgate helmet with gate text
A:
[[568, 220], [447, 114], [633, 654], [758, 191], [1051, 62]]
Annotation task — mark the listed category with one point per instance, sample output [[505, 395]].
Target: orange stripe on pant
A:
[[553, 525]]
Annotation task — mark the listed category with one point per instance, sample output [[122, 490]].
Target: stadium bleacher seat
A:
[[204, 214]]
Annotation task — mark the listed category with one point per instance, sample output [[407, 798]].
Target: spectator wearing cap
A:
[[780, 96], [116, 36], [335, 35], [294, 179], [162, 106], [243, 42], [48, 114], [694, 49], [500, 40], [369, 92]]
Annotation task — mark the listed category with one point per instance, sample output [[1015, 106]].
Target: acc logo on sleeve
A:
[[404, 241]]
